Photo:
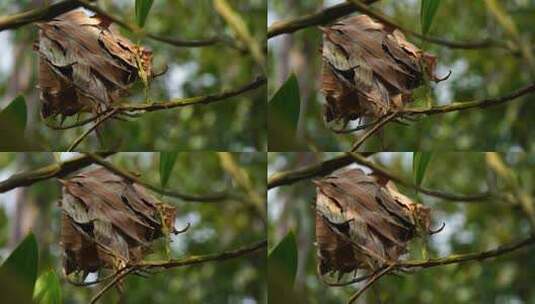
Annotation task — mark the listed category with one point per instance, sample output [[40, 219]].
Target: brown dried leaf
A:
[[108, 222], [363, 222], [85, 65], [369, 69]]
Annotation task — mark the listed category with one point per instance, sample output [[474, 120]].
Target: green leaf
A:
[[428, 9], [21, 265], [47, 289], [142, 11], [167, 162], [420, 160], [284, 256], [282, 265], [13, 122], [283, 116]]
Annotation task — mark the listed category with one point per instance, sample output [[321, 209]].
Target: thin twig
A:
[[357, 128], [95, 282], [383, 121], [76, 124], [120, 275], [58, 170], [100, 120], [372, 280], [216, 197]]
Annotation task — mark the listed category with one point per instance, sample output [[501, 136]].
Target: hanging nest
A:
[[363, 222], [369, 69], [85, 64], [109, 222]]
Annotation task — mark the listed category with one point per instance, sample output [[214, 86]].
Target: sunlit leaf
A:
[[428, 9], [283, 116], [420, 160], [167, 162], [142, 11], [47, 289], [21, 265]]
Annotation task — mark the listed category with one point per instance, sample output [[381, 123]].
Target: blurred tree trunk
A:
[[25, 212]]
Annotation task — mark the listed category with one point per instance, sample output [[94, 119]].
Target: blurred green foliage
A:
[[236, 124], [470, 227], [476, 74], [215, 227]]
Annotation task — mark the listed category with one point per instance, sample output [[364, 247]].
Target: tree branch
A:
[[38, 14], [198, 100], [452, 259], [56, 9], [57, 170], [130, 177], [191, 101], [440, 194], [323, 168], [482, 104], [139, 31], [451, 44], [323, 16], [193, 260], [463, 258], [328, 166], [332, 13], [455, 106]]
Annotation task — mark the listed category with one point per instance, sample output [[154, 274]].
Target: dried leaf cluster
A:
[[109, 222], [85, 64], [369, 69], [363, 222]]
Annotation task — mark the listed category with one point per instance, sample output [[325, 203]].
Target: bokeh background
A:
[[236, 124], [215, 227], [476, 74], [469, 227]]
